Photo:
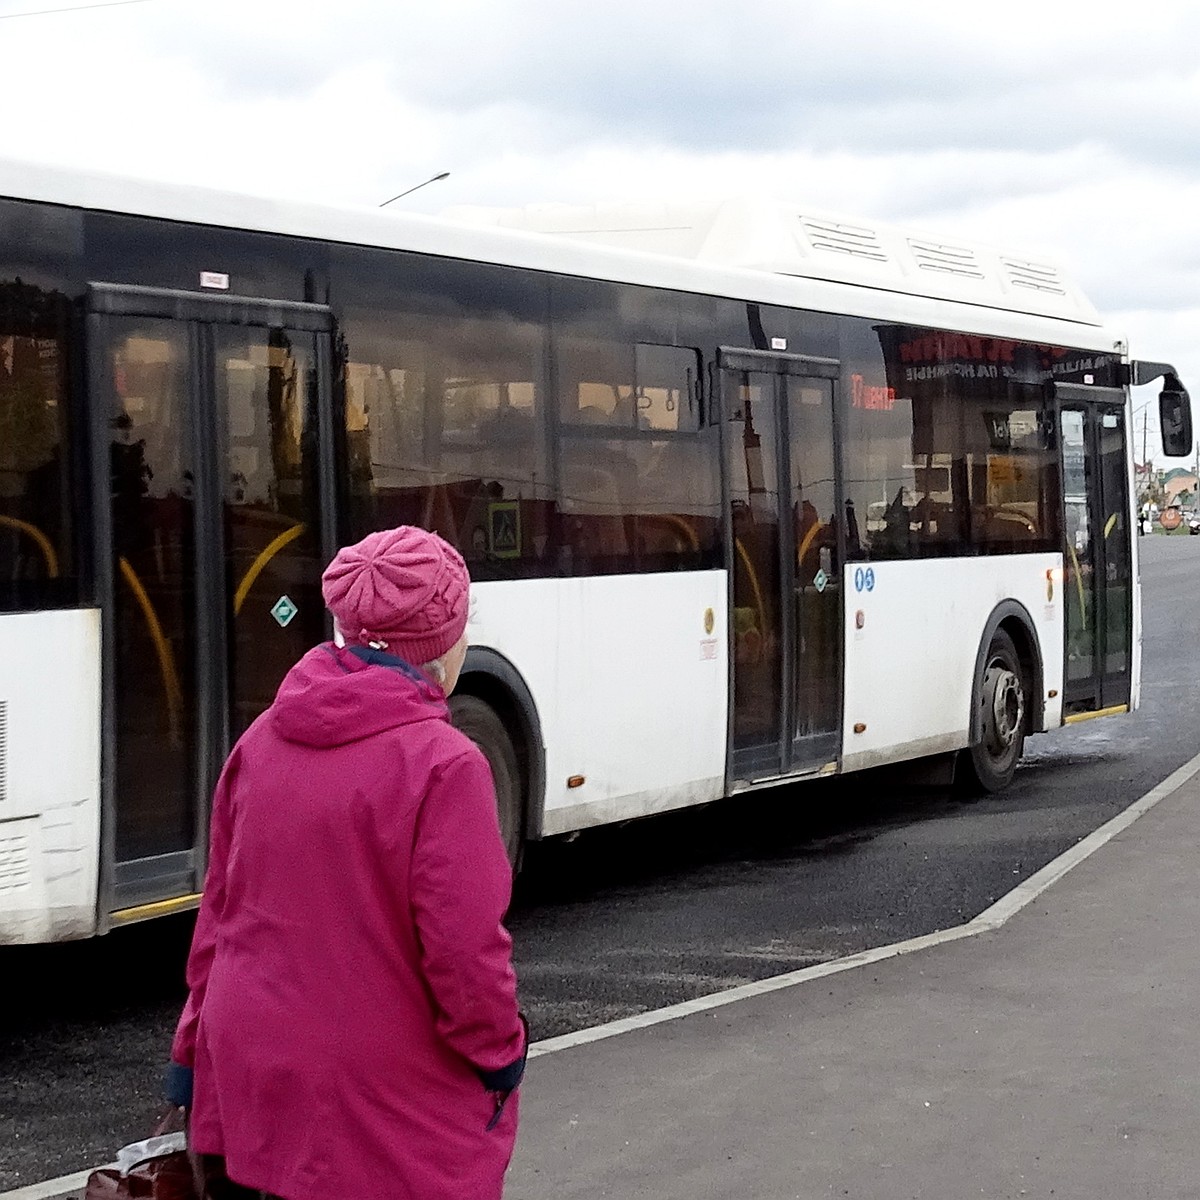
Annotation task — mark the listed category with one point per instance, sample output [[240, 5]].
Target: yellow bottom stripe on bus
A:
[[160, 908], [1075, 718]]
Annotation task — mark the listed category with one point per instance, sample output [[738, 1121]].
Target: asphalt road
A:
[[661, 910]]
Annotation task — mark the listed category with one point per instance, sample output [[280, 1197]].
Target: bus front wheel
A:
[[989, 765], [478, 720]]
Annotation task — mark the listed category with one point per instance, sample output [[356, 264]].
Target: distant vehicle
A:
[[1192, 520]]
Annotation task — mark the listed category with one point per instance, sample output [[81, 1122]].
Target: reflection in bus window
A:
[[265, 387], [444, 414], [949, 456], [446, 374], [637, 484], [1079, 581], [636, 504], [154, 609], [36, 559], [755, 514], [1117, 559], [631, 386]]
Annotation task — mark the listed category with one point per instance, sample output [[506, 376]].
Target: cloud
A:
[[763, 75], [1068, 129]]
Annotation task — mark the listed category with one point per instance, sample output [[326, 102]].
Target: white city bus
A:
[[767, 496]]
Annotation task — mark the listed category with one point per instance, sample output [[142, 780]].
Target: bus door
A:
[[212, 455], [785, 566], [1097, 555]]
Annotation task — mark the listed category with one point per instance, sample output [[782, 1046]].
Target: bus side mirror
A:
[[1175, 418]]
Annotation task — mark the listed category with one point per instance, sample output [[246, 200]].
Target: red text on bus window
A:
[[864, 395]]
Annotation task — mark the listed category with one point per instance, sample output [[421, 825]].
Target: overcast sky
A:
[[1044, 127]]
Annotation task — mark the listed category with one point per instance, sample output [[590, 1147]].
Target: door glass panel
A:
[[1118, 570], [816, 588], [1080, 582], [147, 369], [753, 450], [266, 394]]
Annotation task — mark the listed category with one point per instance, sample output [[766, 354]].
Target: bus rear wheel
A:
[[478, 720], [989, 765]]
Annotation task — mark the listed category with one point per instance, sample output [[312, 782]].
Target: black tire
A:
[[478, 720], [1003, 693]]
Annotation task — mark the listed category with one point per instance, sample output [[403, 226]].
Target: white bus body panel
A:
[[634, 700], [910, 668], [49, 775]]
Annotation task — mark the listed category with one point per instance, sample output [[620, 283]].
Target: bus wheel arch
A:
[[491, 689], [1005, 701]]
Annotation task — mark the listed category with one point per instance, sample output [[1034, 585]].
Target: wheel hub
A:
[[1004, 708]]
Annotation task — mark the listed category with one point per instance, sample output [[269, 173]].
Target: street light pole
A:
[[409, 191]]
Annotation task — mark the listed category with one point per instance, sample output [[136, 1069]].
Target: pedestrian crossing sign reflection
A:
[[504, 529]]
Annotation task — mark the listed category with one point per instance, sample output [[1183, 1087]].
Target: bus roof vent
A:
[[838, 237], [945, 259], [1037, 277]]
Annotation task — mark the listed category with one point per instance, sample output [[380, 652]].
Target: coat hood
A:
[[332, 698]]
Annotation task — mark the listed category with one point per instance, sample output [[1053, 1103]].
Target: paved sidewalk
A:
[[1058, 1056]]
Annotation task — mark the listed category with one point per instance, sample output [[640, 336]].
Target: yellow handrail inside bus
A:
[[1075, 718], [679, 523], [44, 543], [159, 908], [814, 529], [166, 659], [256, 567], [758, 596], [1078, 584]]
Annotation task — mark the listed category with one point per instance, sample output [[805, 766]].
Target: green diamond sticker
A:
[[820, 579], [283, 610]]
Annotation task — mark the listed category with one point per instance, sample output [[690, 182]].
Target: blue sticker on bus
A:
[[864, 579]]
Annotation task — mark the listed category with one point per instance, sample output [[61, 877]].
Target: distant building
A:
[[1180, 486]]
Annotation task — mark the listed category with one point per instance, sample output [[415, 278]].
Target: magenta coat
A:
[[350, 976]]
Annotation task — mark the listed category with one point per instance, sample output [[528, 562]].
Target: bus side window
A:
[[445, 407], [36, 567], [638, 486]]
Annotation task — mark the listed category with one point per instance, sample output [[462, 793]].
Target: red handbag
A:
[[158, 1168], [165, 1178]]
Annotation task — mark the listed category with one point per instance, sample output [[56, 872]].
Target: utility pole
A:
[[1145, 460]]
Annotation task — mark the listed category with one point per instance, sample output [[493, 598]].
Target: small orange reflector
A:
[[860, 619], [1052, 693], [859, 727], [574, 781], [1054, 574]]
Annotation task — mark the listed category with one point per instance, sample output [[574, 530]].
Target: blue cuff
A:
[[177, 1086], [505, 1079]]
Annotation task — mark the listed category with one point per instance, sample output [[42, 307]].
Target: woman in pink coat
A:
[[352, 1029]]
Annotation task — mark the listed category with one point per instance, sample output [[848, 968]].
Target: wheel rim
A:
[[1003, 709]]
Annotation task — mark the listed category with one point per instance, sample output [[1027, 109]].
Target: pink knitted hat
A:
[[405, 588]]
